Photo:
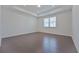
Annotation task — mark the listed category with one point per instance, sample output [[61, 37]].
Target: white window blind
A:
[[50, 22]]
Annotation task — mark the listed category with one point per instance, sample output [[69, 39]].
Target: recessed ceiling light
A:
[[53, 5], [38, 6]]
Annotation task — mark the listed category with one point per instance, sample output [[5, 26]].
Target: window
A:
[[46, 22], [50, 22]]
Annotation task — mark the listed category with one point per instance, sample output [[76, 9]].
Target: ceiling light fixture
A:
[[38, 6]]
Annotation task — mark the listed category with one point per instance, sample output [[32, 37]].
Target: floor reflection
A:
[[49, 44], [38, 43]]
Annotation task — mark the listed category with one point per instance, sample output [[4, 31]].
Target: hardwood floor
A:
[[38, 43]]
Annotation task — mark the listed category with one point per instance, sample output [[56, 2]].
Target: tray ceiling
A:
[[40, 11]]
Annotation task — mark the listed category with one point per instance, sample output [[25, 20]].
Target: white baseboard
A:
[[33, 32], [58, 34], [0, 42], [16, 34]]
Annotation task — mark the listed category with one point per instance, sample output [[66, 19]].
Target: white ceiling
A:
[[35, 8], [42, 10]]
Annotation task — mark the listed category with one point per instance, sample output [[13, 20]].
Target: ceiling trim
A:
[[53, 11], [56, 11], [47, 9], [22, 10]]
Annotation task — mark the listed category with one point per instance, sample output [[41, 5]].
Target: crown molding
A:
[[22, 10], [47, 9], [45, 12], [57, 10]]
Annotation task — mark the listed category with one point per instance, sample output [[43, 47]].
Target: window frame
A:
[[50, 22]]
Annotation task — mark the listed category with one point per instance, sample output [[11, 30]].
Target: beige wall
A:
[[75, 24], [15, 22], [64, 24], [0, 25]]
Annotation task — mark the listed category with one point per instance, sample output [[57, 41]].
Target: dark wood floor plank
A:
[[38, 43]]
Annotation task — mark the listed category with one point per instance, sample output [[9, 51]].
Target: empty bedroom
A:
[[37, 29]]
